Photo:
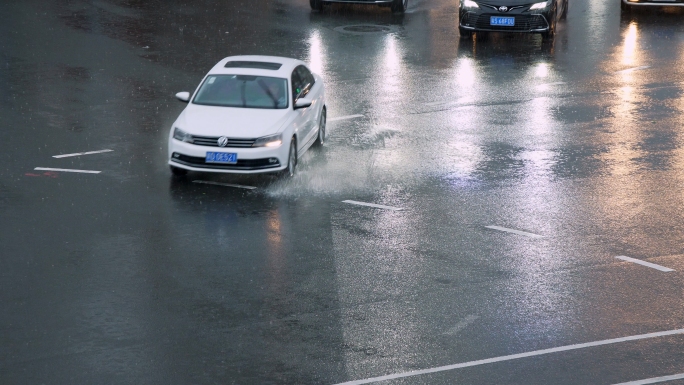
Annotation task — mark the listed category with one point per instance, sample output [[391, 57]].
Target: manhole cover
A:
[[365, 29]]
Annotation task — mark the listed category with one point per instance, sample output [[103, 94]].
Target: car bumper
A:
[[249, 160], [649, 3], [524, 23]]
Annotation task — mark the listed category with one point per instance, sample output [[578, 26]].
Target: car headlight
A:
[[541, 5], [181, 135], [470, 4], [269, 141]]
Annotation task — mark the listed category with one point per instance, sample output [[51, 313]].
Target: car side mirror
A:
[[302, 103], [183, 96]]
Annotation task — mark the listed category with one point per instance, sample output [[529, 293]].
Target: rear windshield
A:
[[243, 91]]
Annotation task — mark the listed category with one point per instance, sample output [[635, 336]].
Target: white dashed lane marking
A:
[[66, 170], [461, 325], [372, 205], [224, 184], [344, 118], [518, 232], [513, 357], [463, 100], [82, 153], [628, 70], [644, 263], [546, 86], [654, 380]]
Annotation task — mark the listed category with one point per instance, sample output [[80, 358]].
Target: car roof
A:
[[257, 65]]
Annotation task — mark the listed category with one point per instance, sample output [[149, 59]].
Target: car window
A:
[[307, 79], [297, 85], [305, 74], [243, 91]]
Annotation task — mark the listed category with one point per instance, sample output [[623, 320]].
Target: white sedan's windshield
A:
[[243, 91]]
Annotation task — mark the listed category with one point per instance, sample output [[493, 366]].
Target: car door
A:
[[300, 114], [314, 92], [308, 114]]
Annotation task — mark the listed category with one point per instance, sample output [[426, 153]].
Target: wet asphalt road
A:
[[130, 276]]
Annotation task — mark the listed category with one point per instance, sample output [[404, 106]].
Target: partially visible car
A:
[[522, 16], [250, 114], [398, 6], [627, 5]]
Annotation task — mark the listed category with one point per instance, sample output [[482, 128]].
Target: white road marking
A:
[[344, 117], [513, 357], [372, 205], [67, 170], [515, 231], [628, 70], [654, 380], [432, 104], [82, 153], [224, 184], [465, 99], [461, 325], [547, 85], [644, 263]]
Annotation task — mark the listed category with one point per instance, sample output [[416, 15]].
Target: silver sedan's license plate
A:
[[221, 157], [502, 21]]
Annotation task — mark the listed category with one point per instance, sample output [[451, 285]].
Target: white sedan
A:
[[250, 114]]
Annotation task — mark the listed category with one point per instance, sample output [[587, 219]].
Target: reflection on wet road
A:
[[470, 203]]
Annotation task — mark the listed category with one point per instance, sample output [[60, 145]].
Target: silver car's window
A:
[[243, 91]]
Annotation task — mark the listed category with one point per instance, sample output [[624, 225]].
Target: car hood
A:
[[231, 122], [508, 2]]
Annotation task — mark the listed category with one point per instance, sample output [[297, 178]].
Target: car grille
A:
[[212, 141], [242, 164], [523, 23]]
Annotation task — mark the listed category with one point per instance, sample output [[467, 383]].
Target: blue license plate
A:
[[221, 157], [504, 21]]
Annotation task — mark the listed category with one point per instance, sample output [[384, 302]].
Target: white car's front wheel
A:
[[321, 129], [291, 160]]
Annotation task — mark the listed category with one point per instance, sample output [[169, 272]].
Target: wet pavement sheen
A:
[[132, 276]]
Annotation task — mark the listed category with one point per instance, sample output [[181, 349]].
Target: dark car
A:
[[627, 5], [398, 6], [526, 16]]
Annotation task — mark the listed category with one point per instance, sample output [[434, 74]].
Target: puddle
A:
[[365, 29]]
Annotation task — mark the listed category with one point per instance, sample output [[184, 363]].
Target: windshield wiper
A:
[[263, 86]]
